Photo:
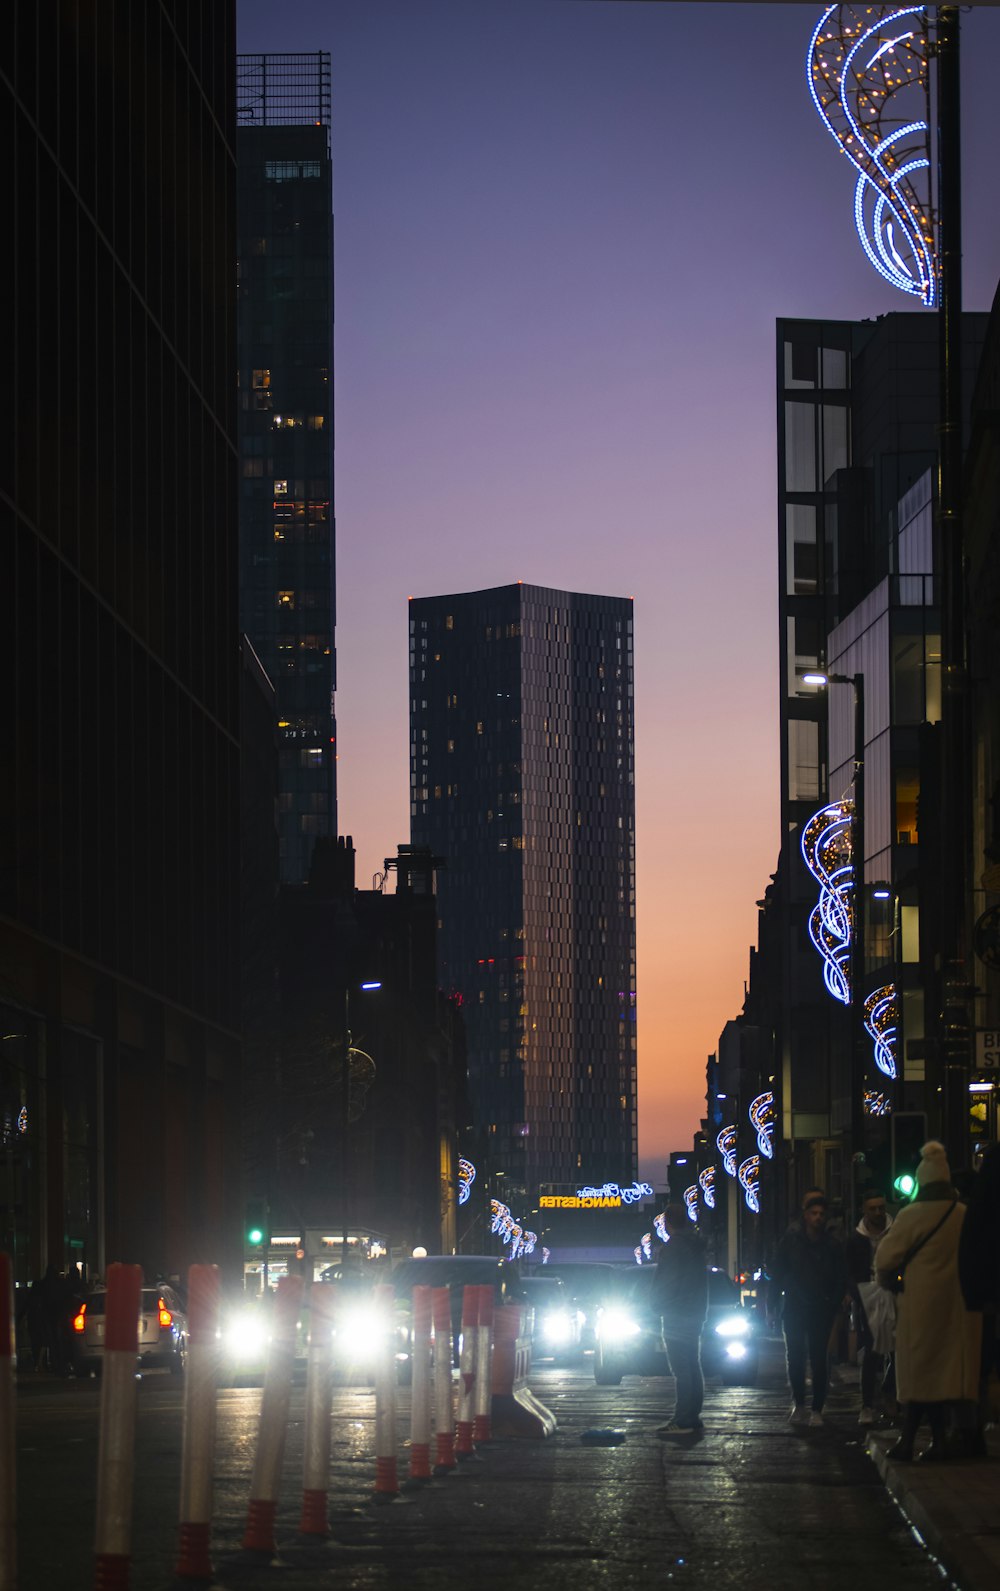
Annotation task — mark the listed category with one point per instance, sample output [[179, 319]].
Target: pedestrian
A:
[[809, 1275], [874, 1308], [937, 1338], [680, 1291], [979, 1278]]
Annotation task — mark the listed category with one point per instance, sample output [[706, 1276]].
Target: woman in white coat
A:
[[937, 1338]]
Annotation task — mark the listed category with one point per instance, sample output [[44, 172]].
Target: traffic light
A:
[[257, 1224], [908, 1136]]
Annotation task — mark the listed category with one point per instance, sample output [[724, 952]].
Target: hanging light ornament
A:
[[706, 1181], [876, 1104], [826, 849], [761, 1115], [466, 1177], [660, 1228], [869, 78], [749, 1175], [691, 1200], [726, 1145], [881, 1021]]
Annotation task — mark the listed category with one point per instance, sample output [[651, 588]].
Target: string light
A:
[[881, 1020], [761, 1115], [726, 1145], [749, 1175], [706, 1181], [860, 63], [466, 1177], [876, 1104], [827, 852]]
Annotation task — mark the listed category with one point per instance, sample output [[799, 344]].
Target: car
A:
[[630, 1342], [555, 1331], [588, 1285], [456, 1272], [163, 1331]]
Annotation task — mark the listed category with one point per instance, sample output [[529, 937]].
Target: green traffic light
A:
[[905, 1184], [255, 1235]]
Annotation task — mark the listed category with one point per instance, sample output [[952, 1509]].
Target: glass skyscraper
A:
[[522, 780], [284, 176]]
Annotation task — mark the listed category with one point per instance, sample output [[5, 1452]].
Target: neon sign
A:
[[761, 1115], [749, 1175], [867, 79], [466, 1177], [611, 1190], [827, 851], [706, 1181], [881, 1018], [726, 1145]]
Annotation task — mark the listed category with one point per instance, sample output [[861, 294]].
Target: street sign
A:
[[988, 1050]]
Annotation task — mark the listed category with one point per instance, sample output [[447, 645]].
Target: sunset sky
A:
[[564, 231]]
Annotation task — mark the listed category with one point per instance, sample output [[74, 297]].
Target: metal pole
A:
[[345, 1113], [954, 1025], [858, 957]]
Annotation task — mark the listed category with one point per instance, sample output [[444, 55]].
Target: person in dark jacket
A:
[[810, 1272], [680, 1290], [979, 1278]]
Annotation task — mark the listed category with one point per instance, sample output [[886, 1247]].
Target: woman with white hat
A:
[[937, 1338]]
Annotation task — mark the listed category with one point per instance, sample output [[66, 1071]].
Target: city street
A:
[[748, 1503]]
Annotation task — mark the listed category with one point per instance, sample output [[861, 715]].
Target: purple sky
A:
[[564, 231]]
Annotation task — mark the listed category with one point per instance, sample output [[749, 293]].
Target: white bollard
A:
[[8, 1472], [116, 1448], [319, 1400], [467, 1372], [198, 1448], [481, 1426], [266, 1480], [420, 1387], [386, 1471], [444, 1409]]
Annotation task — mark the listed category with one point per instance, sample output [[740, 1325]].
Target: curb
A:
[[969, 1555]]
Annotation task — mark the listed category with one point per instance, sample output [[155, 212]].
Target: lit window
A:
[[286, 599], [280, 488], [261, 380]]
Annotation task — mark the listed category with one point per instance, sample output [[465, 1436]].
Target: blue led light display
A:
[[868, 74], [881, 1020], [706, 1181], [827, 851], [761, 1115], [726, 1145], [466, 1177], [749, 1175]]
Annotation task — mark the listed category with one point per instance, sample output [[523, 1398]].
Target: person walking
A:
[[680, 1292], [874, 1308], [937, 1338], [809, 1275]]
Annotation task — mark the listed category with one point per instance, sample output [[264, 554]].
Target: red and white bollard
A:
[[444, 1412], [116, 1448], [386, 1471], [420, 1387], [481, 1425], [198, 1447], [266, 1480], [319, 1397], [8, 1473], [467, 1373]]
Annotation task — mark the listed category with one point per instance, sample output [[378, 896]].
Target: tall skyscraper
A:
[[522, 779], [287, 605], [119, 856]]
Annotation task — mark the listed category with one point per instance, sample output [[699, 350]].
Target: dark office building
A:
[[521, 778], [286, 413], [119, 870]]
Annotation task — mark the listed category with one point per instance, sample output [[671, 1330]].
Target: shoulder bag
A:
[[897, 1284]]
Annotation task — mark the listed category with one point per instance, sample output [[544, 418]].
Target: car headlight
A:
[[244, 1337], [358, 1332], [736, 1349], [734, 1326], [557, 1326], [617, 1326]]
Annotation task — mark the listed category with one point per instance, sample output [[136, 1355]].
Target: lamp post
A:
[[858, 1059], [345, 1116]]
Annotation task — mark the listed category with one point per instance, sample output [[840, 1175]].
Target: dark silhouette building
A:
[[119, 879], [286, 419], [521, 778]]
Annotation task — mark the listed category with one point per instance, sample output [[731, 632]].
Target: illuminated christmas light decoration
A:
[[646, 1244], [707, 1183], [761, 1115], [827, 852], [749, 1175], [501, 1215], [869, 78], [611, 1190], [660, 1228], [637, 1251], [528, 1241], [881, 1021], [876, 1104], [508, 1230], [466, 1177], [726, 1145], [691, 1200]]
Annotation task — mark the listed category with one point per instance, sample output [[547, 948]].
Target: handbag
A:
[[896, 1283]]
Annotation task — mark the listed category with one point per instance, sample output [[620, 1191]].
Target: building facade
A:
[[522, 780], [287, 604], [119, 881]]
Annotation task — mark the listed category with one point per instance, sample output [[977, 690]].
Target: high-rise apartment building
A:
[[522, 780], [287, 603], [120, 860]]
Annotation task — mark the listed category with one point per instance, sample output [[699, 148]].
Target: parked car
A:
[[163, 1331], [629, 1339], [555, 1332]]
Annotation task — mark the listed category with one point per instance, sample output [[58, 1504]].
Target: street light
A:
[[858, 1064], [345, 1112]]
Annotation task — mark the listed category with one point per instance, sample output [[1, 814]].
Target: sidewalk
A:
[[954, 1506]]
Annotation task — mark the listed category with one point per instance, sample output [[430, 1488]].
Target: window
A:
[[280, 488], [291, 170], [286, 599], [261, 380]]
